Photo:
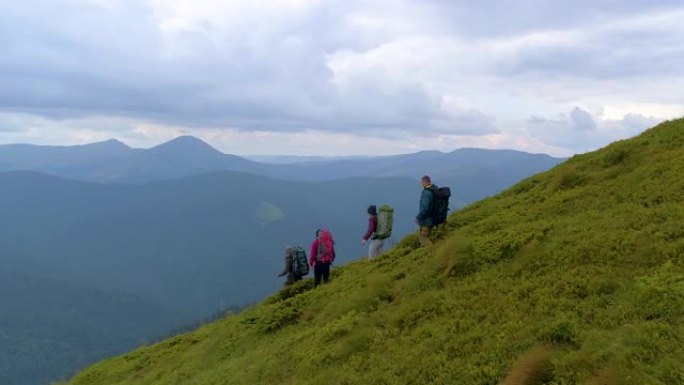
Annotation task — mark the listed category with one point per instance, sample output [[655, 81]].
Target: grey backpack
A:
[[300, 264]]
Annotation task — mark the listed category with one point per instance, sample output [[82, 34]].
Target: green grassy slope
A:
[[573, 276]]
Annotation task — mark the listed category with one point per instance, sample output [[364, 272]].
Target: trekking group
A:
[[433, 211]]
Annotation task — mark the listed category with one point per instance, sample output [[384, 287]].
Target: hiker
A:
[[434, 209], [375, 244], [424, 219], [289, 270], [322, 256], [379, 229]]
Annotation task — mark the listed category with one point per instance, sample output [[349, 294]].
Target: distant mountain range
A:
[[113, 161], [473, 173]]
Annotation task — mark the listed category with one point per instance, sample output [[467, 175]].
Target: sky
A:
[[340, 77]]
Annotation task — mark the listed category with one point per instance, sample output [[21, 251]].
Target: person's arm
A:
[[425, 204], [288, 266], [372, 226]]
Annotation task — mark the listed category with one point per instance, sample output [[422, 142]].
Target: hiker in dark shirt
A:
[[292, 277], [424, 219]]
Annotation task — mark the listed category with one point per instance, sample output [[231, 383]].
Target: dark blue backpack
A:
[[440, 205]]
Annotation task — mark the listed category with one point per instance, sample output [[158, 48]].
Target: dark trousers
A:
[[321, 270]]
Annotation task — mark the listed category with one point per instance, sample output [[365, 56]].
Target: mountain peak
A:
[[187, 144]]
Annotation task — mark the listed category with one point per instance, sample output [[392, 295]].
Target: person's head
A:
[[372, 210], [425, 181], [318, 232], [288, 250]]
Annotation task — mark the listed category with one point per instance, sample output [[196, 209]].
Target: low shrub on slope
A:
[[573, 276]]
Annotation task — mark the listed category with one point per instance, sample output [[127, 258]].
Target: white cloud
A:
[[581, 120], [581, 131]]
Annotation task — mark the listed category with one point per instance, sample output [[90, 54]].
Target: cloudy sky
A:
[[340, 77]]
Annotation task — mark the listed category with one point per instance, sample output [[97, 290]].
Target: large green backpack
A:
[[385, 222], [300, 265]]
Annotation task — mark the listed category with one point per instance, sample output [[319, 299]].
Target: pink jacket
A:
[[314, 252]]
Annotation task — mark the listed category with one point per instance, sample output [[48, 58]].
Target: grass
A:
[[573, 276], [531, 368]]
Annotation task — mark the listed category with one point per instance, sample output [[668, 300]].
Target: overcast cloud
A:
[[340, 77]]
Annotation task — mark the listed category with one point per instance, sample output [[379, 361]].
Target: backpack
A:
[[300, 265], [440, 205], [385, 222], [326, 247]]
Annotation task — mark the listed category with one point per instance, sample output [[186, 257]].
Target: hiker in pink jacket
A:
[[322, 255]]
